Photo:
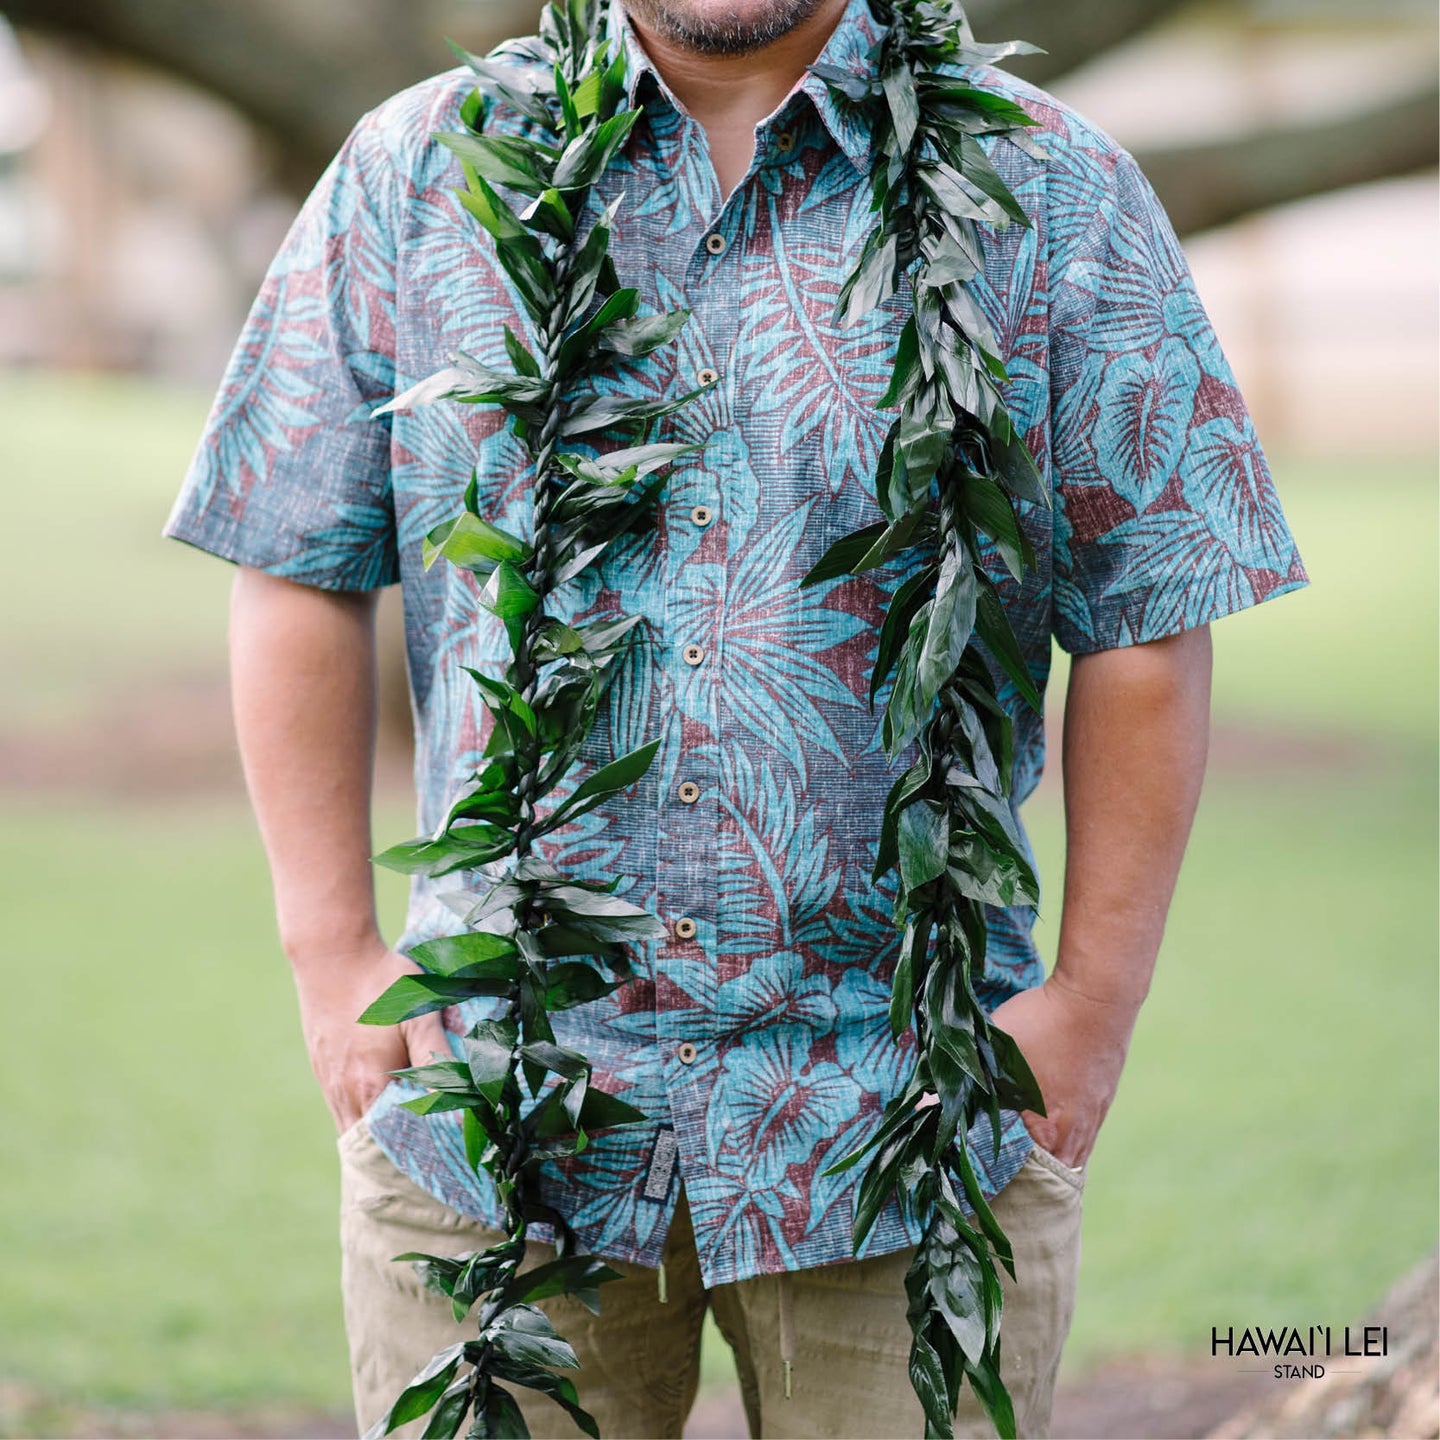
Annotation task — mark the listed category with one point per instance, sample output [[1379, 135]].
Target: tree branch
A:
[[304, 73], [1071, 33], [1202, 186]]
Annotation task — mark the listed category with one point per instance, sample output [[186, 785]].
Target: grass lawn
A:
[[168, 1213]]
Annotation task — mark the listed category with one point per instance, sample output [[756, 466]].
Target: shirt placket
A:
[[695, 609]]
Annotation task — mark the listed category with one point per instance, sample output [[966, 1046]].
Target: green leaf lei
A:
[[950, 472]]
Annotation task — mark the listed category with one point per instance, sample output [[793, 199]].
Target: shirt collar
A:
[[848, 48]]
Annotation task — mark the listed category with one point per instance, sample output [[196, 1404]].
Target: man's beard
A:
[[692, 26]]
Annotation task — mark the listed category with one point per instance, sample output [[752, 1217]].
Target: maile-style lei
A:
[[951, 467]]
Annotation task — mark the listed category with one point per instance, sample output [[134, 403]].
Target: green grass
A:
[[168, 1212]]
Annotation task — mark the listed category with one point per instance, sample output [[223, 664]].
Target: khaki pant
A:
[[640, 1356]]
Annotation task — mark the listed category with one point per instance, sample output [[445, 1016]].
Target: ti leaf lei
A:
[[950, 472], [538, 939]]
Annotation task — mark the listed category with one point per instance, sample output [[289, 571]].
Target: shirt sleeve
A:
[[1166, 514], [291, 475]]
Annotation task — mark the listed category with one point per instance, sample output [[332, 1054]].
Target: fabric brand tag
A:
[[662, 1165]]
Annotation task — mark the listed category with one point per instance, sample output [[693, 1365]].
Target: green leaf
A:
[[421, 1393], [1014, 464], [473, 544], [1018, 1088], [637, 338], [842, 556], [906, 600], [948, 627], [602, 1110], [980, 171], [855, 88], [989, 507], [462, 848], [524, 1333], [633, 462], [605, 411], [521, 165], [508, 594], [520, 357], [577, 1275], [904, 367], [899, 87], [983, 873], [532, 277], [569, 1063], [489, 209], [924, 840], [449, 1415], [489, 1052], [569, 985], [588, 154], [993, 626], [582, 345], [601, 784], [907, 784], [509, 84], [870, 283], [502, 1418], [459, 954], [412, 995]]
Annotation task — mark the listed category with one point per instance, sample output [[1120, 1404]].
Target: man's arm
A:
[[1137, 723], [302, 664]]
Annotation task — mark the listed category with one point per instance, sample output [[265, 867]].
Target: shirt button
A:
[[685, 928], [700, 514], [689, 792], [694, 654], [686, 1053], [785, 141], [715, 243], [708, 376]]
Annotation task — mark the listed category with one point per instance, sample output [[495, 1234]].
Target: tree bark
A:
[[1071, 33], [305, 73], [1203, 186]]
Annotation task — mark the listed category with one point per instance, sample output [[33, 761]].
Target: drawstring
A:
[[787, 1326], [660, 1285]]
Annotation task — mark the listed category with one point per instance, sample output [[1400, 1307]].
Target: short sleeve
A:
[[291, 475], [1166, 514]]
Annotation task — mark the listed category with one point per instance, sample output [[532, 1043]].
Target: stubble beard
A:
[[693, 26]]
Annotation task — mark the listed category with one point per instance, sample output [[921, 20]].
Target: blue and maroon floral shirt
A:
[[758, 1042]]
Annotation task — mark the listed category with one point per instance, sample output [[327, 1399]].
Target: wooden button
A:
[[693, 654], [689, 792], [715, 243], [687, 1053], [708, 376], [685, 927], [785, 141], [701, 514]]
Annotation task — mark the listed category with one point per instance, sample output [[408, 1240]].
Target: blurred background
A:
[[168, 1256]]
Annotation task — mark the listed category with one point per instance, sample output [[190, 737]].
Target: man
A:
[[754, 1034]]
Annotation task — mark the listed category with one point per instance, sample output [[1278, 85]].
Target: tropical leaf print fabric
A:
[[761, 1040]]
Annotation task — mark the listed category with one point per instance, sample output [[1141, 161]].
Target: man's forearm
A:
[[1136, 735], [303, 682]]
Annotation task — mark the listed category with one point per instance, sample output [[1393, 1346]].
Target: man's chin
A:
[[722, 27]]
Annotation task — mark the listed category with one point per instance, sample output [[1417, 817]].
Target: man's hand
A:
[[1076, 1046], [1136, 733], [352, 1061]]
